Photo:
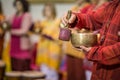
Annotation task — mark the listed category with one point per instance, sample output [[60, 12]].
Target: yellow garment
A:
[[5, 54], [51, 28], [49, 52], [6, 57], [73, 52], [75, 8]]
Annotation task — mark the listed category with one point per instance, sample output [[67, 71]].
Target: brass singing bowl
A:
[[83, 39]]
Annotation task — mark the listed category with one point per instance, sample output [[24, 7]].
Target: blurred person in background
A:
[[20, 46], [2, 18], [49, 48]]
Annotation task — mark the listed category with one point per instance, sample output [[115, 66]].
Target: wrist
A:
[[73, 25]]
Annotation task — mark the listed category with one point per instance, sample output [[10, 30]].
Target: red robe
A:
[[106, 55]]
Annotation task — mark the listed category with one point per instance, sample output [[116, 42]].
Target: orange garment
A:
[[2, 17]]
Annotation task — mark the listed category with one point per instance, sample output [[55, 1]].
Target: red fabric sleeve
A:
[[93, 20], [108, 55]]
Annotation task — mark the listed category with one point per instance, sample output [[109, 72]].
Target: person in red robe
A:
[[105, 55]]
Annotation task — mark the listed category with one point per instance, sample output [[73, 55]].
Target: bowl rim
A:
[[83, 34]]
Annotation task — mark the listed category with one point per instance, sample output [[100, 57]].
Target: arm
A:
[[93, 20], [26, 23], [108, 55]]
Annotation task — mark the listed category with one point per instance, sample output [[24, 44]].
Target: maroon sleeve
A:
[[108, 55], [93, 20]]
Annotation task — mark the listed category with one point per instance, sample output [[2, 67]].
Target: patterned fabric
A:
[[20, 64], [106, 55]]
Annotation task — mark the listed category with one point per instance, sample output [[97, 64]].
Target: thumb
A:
[[83, 47], [72, 19]]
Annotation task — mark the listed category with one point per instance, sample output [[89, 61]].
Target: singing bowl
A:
[[83, 39]]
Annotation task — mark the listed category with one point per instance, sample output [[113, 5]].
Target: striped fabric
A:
[[106, 56]]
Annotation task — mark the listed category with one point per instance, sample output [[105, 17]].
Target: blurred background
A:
[[36, 8]]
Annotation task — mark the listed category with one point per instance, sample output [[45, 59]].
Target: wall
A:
[[36, 9]]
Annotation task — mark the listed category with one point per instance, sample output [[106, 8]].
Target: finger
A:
[[96, 32], [65, 18], [78, 48], [64, 22], [118, 33], [84, 48], [72, 19]]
